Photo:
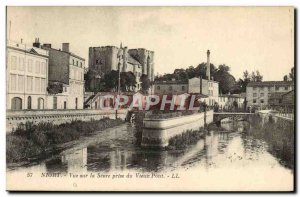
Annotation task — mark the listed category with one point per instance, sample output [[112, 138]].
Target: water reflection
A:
[[116, 151]]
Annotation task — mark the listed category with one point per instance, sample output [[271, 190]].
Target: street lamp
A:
[[119, 55]]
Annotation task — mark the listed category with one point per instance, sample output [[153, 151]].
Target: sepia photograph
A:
[[150, 99]]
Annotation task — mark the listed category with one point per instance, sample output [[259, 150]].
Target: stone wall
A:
[[14, 118], [157, 132]]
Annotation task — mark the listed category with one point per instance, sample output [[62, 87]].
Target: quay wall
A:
[[157, 132], [14, 118]]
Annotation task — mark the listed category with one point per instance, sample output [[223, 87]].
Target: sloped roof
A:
[[131, 60], [170, 82], [289, 92]]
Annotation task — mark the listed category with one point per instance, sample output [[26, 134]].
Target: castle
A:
[[104, 59]]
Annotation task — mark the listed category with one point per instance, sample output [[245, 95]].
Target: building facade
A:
[[259, 93], [170, 87], [226, 101], [67, 69], [205, 87], [27, 76], [104, 59]]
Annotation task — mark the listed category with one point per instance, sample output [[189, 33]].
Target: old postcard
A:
[[150, 99]]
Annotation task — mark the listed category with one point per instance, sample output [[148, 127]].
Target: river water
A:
[[231, 154]]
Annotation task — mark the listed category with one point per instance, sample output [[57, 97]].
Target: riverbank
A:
[[280, 136], [32, 142]]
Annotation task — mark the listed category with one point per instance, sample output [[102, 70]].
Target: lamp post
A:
[[120, 54]]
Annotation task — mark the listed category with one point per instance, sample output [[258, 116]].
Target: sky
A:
[[244, 38]]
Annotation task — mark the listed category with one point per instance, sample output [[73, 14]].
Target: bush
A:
[[185, 139], [30, 140]]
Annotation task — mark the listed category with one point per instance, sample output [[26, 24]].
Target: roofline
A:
[[27, 51], [70, 53]]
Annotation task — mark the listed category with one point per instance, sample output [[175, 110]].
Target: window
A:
[[261, 101], [20, 83], [269, 88], [43, 85], [16, 103], [76, 63], [21, 64], [182, 88], [13, 62], [29, 84], [65, 104], [71, 74], [254, 88], [73, 61], [76, 103], [54, 102], [43, 68], [81, 64], [254, 94], [254, 100], [277, 88], [29, 102], [13, 82], [37, 67], [262, 94], [40, 103], [262, 88], [286, 88], [37, 84], [29, 68]]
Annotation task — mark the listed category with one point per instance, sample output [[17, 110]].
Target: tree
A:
[[292, 74], [180, 74], [146, 83], [127, 81], [244, 82], [285, 78], [226, 81], [256, 76], [111, 80]]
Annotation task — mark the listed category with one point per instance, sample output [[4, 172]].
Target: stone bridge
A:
[[218, 116]]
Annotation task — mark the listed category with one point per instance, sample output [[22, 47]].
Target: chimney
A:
[[208, 65], [36, 43], [66, 47], [200, 84], [47, 45]]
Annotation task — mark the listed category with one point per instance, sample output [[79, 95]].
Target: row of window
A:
[[33, 84], [171, 88], [76, 89], [255, 101], [65, 103], [270, 88], [16, 103], [39, 67], [77, 63], [261, 94], [76, 74]]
